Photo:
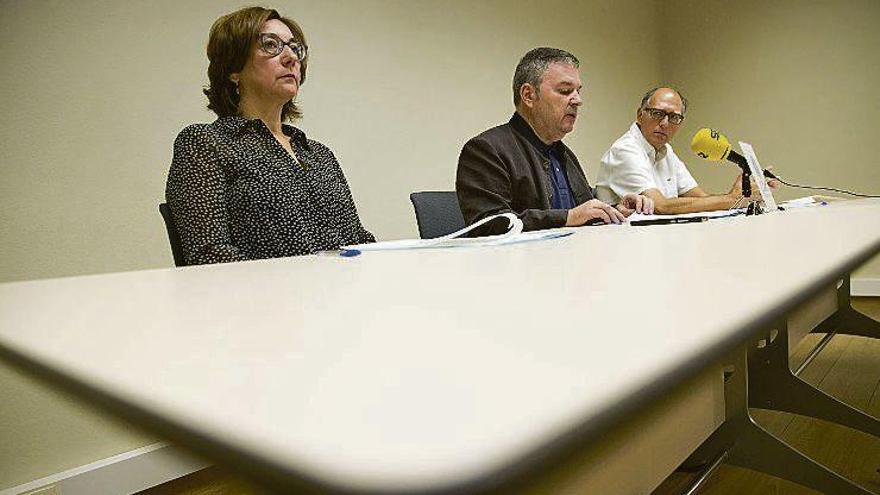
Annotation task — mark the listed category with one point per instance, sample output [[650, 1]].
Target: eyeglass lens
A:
[[273, 46], [657, 114]]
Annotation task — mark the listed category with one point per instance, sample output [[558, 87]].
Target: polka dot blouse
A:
[[236, 194]]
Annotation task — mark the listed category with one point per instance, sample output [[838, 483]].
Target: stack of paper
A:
[[513, 235]]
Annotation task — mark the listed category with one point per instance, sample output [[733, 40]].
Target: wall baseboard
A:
[[869, 287], [128, 472]]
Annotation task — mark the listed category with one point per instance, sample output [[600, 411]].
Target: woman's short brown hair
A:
[[229, 46]]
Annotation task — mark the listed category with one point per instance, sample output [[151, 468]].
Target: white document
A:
[[758, 175], [799, 202], [706, 214], [513, 235]]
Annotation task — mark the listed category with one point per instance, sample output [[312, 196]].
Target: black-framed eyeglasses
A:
[[658, 115], [273, 46]]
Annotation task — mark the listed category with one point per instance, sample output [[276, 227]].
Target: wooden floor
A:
[[848, 368], [209, 481]]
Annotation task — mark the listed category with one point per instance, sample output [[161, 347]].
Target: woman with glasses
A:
[[249, 185]]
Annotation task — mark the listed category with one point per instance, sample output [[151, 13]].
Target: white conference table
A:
[[431, 371]]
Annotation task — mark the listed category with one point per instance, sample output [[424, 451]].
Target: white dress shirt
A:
[[632, 166]]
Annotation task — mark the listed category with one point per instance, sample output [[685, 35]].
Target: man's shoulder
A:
[[498, 135], [625, 151], [626, 142]]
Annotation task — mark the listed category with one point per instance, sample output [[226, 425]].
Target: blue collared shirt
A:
[[562, 197]]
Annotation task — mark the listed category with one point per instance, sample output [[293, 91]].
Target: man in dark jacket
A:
[[523, 167]]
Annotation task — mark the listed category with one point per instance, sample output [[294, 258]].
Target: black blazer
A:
[[506, 169]]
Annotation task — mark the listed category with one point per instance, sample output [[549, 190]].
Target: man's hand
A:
[[773, 183], [635, 203], [593, 210], [736, 191]]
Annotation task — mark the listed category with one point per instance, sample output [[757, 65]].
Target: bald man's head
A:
[[652, 91], [660, 115]]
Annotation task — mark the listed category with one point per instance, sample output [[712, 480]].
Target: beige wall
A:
[[95, 92], [394, 89], [43, 433], [797, 79]]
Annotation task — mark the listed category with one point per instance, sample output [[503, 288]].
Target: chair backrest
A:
[[173, 238], [437, 213]]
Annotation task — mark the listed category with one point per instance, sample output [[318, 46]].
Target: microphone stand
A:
[[747, 182], [754, 207]]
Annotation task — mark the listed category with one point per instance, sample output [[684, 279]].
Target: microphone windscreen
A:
[[710, 144]]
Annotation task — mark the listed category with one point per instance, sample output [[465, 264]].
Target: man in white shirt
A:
[[642, 162]]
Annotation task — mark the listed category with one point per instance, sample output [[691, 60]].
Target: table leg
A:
[[750, 446], [772, 385], [847, 320]]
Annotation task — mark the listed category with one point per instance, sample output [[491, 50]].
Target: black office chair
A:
[[437, 213], [173, 238]]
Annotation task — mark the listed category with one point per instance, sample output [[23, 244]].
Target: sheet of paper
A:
[[707, 214], [499, 240], [799, 202], [456, 239], [758, 175], [514, 226], [513, 235]]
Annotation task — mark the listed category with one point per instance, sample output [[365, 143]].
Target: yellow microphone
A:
[[711, 145]]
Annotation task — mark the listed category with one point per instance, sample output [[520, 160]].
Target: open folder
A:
[[513, 235]]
